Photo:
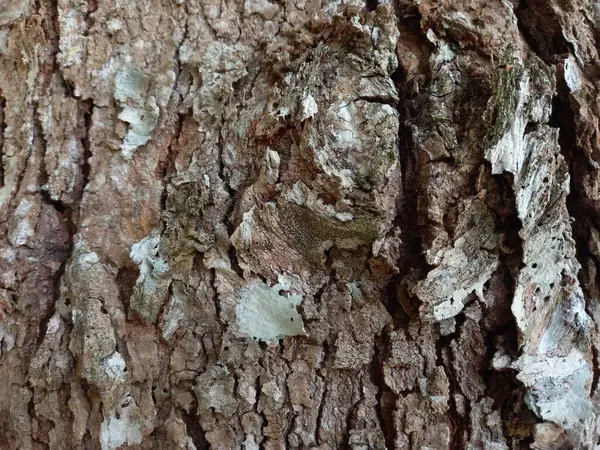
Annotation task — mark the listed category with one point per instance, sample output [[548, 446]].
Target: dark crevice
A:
[[496, 390], [86, 110], [58, 205], [63, 211], [350, 418], [401, 305], [386, 398], [92, 6], [320, 372], [378, 100], [235, 265], [166, 167], [505, 390], [291, 415], [371, 5], [459, 423], [126, 279], [194, 429], [540, 27]]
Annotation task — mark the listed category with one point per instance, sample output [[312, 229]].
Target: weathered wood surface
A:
[[291, 224]]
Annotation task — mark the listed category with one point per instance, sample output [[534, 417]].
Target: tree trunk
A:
[[273, 224]]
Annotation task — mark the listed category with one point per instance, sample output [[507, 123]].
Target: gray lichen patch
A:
[[263, 313], [139, 108], [558, 387], [153, 282]]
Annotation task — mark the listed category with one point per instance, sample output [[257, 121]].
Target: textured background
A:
[[271, 224]]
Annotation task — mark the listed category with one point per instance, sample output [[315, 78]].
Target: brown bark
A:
[[278, 224]]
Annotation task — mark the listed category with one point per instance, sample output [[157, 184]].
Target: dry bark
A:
[[290, 224]]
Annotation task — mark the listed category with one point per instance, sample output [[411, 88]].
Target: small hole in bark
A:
[[153, 388], [534, 265], [125, 369], [551, 285], [118, 416], [546, 179], [371, 5], [165, 391], [291, 319], [226, 348], [546, 298], [103, 310]]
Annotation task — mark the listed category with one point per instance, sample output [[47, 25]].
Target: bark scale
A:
[[290, 224]]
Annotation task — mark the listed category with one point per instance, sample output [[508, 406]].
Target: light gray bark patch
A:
[[548, 304], [465, 267]]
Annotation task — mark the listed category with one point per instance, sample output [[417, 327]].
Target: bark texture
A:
[[270, 224]]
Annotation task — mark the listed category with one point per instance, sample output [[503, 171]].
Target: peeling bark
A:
[[269, 225]]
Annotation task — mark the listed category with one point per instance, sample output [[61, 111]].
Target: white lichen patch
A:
[[114, 366], [572, 74], [72, 43], [141, 122], [139, 108], [118, 430], [3, 46], [270, 169], [145, 254], [346, 136], [87, 260], [309, 107], [508, 153], [23, 229], [242, 236], [7, 339], [262, 313]]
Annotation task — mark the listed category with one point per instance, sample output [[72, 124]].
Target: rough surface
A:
[[290, 224]]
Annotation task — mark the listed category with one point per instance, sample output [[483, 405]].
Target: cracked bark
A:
[[269, 225]]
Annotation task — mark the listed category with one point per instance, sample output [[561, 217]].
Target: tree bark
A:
[[288, 224]]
